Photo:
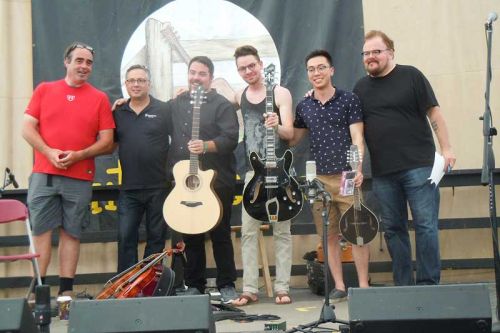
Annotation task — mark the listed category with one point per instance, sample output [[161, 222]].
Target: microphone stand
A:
[[327, 311], [489, 163]]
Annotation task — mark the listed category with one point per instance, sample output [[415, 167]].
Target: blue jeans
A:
[[132, 205], [393, 192]]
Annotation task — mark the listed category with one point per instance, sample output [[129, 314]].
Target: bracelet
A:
[[205, 146]]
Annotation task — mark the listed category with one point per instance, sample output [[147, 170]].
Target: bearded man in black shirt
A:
[[398, 103], [218, 137]]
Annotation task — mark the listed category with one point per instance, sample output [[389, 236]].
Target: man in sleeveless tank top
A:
[[252, 101]]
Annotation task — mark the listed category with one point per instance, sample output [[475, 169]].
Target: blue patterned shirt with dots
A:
[[328, 126]]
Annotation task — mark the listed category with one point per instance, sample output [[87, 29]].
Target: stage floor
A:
[[306, 308]]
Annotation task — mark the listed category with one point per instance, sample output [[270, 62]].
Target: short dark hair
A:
[[76, 45], [246, 50], [205, 61], [142, 67], [377, 33], [319, 53]]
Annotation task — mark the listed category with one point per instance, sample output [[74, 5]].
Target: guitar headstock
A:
[[269, 73], [198, 96], [353, 157]]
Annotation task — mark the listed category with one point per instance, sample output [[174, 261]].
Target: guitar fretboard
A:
[[270, 133], [198, 95]]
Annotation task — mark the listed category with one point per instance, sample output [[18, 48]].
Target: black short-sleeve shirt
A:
[[397, 132]]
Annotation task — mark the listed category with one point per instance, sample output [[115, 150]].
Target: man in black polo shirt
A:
[[142, 132], [218, 133]]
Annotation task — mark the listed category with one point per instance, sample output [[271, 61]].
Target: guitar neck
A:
[[270, 133], [357, 199], [195, 135]]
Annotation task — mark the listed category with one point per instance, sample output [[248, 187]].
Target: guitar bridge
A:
[[191, 203]]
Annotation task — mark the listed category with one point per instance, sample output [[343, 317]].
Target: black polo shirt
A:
[[143, 141], [218, 122]]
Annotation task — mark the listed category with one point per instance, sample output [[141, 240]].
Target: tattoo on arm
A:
[[434, 126]]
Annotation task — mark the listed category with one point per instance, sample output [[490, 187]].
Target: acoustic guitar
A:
[[272, 195], [358, 225], [193, 206]]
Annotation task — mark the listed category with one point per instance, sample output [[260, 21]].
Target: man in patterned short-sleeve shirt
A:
[[334, 121]]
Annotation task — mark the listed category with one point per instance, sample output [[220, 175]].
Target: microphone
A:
[[492, 17], [310, 176], [314, 186], [12, 178]]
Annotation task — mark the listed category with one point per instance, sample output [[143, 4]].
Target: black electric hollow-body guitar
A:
[[358, 225], [272, 195]]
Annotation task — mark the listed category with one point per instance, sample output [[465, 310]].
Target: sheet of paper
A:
[[437, 169]]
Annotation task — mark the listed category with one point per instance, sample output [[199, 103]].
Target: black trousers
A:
[[222, 247]]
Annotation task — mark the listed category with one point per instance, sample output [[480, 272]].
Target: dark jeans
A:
[[393, 192], [222, 246], [132, 205]]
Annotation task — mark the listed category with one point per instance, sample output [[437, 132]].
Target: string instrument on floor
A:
[[138, 280], [358, 225], [193, 206], [272, 195]]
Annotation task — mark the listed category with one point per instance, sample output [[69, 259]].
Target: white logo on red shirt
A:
[[70, 98]]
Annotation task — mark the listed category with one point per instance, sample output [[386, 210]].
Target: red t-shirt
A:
[[69, 118]]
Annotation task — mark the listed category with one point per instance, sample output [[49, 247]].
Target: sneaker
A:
[[337, 295], [228, 294], [191, 291]]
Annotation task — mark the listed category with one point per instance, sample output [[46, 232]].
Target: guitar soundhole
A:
[[192, 182]]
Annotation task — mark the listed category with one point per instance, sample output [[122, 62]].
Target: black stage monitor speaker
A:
[[16, 317], [430, 309], [144, 314]]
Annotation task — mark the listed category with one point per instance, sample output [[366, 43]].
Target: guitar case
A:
[[165, 285]]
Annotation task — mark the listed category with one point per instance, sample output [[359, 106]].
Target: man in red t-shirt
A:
[[68, 122]]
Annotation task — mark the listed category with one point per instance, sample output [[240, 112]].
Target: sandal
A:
[[283, 298], [245, 299]]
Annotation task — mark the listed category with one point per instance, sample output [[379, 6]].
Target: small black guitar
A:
[[272, 195], [358, 225]]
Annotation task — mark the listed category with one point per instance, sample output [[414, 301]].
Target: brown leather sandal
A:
[[248, 300], [283, 298]]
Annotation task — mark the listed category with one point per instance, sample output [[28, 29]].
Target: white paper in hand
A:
[[437, 169]]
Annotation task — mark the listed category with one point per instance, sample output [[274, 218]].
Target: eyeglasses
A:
[[78, 46], [251, 67], [140, 82], [320, 69], [373, 52]]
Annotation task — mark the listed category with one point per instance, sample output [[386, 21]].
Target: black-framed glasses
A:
[[251, 67], [78, 46], [373, 52], [140, 82], [319, 68]]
